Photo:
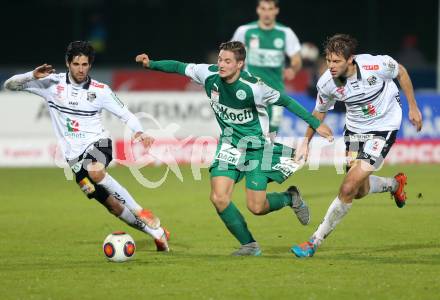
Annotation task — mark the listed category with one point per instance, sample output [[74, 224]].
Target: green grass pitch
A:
[[51, 238]]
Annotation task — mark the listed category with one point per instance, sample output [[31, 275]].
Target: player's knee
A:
[[220, 200], [348, 189], [96, 175], [256, 209]]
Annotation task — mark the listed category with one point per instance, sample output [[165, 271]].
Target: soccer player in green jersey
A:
[[239, 101], [267, 44]]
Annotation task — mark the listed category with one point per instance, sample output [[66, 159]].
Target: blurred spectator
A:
[[267, 44], [313, 64], [310, 57], [309, 54], [98, 33], [409, 55]]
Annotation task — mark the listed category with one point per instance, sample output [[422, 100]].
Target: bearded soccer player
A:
[[75, 102], [239, 101], [365, 84], [268, 42]]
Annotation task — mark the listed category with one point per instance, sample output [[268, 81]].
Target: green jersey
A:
[[239, 107], [266, 51]]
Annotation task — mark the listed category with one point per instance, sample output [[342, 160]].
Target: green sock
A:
[[278, 200], [236, 224]]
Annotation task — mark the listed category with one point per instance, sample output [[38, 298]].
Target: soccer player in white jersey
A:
[[75, 103], [365, 84], [245, 149], [267, 43]]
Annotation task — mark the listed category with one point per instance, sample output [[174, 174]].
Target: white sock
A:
[[382, 184], [128, 217], [119, 192], [336, 211]]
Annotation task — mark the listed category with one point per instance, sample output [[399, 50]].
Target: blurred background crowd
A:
[[38, 31]]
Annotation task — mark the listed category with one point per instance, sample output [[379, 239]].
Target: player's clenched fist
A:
[[143, 59]]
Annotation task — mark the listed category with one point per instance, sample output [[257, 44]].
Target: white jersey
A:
[[75, 110], [370, 96]]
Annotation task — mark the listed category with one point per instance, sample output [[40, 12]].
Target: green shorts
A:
[[260, 166]]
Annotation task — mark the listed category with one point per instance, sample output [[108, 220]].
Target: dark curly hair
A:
[[77, 48]]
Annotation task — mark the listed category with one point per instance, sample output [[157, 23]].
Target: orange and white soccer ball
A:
[[119, 247]]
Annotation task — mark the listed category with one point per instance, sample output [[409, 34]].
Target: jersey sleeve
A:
[[268, 94], [296, 108], [114, 105], [239, 34], [324, 102], [199, 72], [27, 82], [168, 66], [388, 67], [293, 45]]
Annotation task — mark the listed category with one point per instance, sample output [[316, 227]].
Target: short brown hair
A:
[[341, 44], [275, 2], [235, 47]]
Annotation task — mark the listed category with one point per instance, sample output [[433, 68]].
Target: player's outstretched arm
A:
[[197, 72], [168, 66], [415, 116], [314, 120], [294, 107], [310, 131], [115, 106], [17, 82], [302, 151]]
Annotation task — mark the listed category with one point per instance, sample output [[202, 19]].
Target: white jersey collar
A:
[[85, 85]]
